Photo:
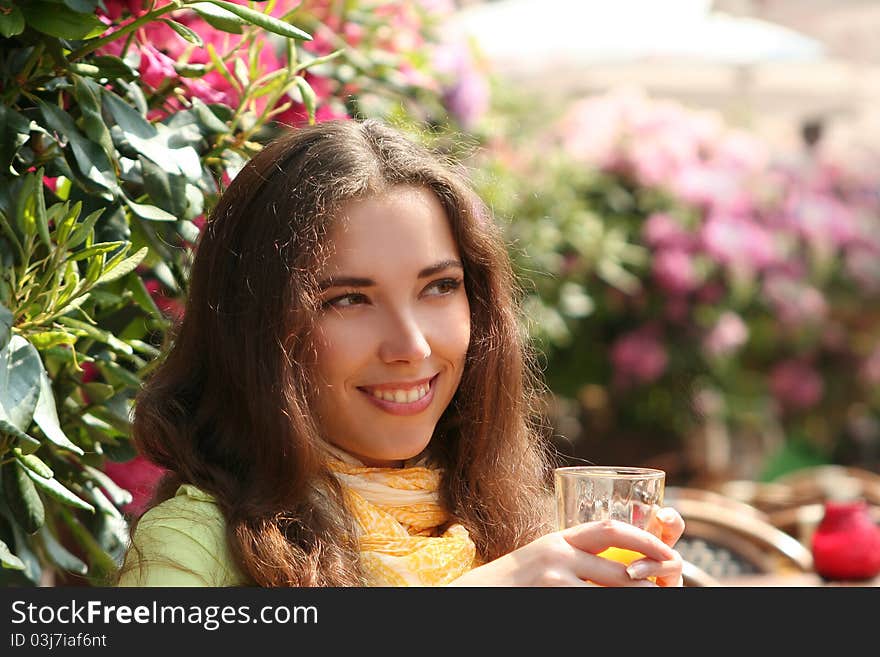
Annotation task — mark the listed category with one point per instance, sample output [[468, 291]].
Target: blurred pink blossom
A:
[[862, 265], [638, 357], [795, 384], [738, 242], [795, 302], [870, 369], [663, 231], [821, 219], [727, 335], [674, 271]]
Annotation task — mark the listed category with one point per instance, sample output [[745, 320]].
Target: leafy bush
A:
[[120, 124]]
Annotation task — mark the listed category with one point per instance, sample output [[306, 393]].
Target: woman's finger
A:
[[671, 525], [601, 571], [598, 535], [665, 573]]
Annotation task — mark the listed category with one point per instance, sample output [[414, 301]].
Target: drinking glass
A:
[[599, 492]]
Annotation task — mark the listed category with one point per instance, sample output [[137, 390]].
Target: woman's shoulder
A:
[[180, 542]]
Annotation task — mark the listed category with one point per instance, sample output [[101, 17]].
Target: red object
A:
[[846, 544]]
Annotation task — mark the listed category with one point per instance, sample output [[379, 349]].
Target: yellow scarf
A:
[[407, 537]]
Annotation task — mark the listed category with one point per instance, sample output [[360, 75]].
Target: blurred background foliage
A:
[[700, 301]]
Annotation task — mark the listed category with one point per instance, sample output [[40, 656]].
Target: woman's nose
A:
[[404, 340]]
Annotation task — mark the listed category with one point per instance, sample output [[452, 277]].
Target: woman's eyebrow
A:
[[357, 281], [440, 266]]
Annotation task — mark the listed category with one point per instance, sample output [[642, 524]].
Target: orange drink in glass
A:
[[594, 492]]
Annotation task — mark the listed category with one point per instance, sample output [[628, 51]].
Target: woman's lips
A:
[[403, 408]]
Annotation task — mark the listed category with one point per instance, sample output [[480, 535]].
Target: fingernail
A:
[[639, 570], [665, 516]]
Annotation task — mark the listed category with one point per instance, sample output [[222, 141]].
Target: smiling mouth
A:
[[402, 394]]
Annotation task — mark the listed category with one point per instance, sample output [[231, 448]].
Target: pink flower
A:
[[795, 384], [662, 231], [794, 302], [638, 357], [862, 265], [727, 335], [712, 188], [738, 242], [821, 219], [870, 369], [674, 271], [156, 67], [139, 477]]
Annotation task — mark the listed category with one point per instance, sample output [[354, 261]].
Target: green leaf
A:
[[5, 325], [82, 6], [185, 32], [59, 554], [118, 495], [113, 68], [115, 271], [33, 462], [164, 188], [259, 19], [14, 132], [103, 504], [96, 249], [11, 19], [98, 392], [148, 212], [9, 560], [25, 207], [46, 417], [308, 96], [88, 96], [20, 368], [208, 120], [84, 229], [27, 443], [118, 375], [22, 497], [59, 21], [65, 223], [101, 564], [48, 339], [221, 19], [89, 156], [135, 285], [97, 334], [140, 133], [55, 489]]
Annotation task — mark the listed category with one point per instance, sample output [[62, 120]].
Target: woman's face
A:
[[393, 327]]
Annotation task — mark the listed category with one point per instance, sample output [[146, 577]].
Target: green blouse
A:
[[181, 542]]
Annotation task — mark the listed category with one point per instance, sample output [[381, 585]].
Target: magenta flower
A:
[[738, 242], [796, 385], [663, 231], [139, 477], [638, 357], [674, 271]]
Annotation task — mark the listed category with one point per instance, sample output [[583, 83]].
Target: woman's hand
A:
[[569, 557]]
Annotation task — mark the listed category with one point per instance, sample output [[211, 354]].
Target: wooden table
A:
[[789, 580]]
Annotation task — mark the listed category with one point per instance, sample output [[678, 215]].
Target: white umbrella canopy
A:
[[528, 36]]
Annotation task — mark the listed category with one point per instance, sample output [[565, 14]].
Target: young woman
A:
[[348, 399]]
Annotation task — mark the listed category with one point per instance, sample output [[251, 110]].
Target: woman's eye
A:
[[444, 286], [346, 300]]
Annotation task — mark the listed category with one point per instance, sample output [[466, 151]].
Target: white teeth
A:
[[401, 396]]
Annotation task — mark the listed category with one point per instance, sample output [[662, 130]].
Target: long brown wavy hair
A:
[[227, 407]]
